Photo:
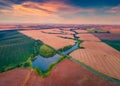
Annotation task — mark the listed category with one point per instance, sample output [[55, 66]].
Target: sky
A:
[[60, 11]]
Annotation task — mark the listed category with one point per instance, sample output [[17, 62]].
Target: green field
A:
[[97, 31], [46, 51], [113, 43], [15, 49]]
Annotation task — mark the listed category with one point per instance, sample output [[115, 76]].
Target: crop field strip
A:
[[99, 56], [88, 37], [15, 77], [65, 73], [81, 31], [107, 36], [51, 39], [76, 72], [111, 39], [60, 76], [112, 30], [55, 30], [15, 48]]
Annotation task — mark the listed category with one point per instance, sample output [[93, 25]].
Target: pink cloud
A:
[[55, 7], [115, 9]]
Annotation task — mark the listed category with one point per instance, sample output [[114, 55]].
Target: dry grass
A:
[[68, 73], [113, 29], [99, 56], [15, 77], [67, 36], [68, 32], [81, 31], [88, 37], [51, 39], [66, 29], [54, 30]]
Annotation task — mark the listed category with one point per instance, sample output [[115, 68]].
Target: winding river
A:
[[44, 63]]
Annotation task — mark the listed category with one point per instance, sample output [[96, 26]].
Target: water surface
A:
[[44, 63]]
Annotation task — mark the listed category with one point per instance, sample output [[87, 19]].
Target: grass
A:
[[15, 49], [46, 51], [97, 31], [65, 48], [113, 43]]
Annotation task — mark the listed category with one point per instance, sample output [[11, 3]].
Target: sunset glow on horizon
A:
[[60, 12]]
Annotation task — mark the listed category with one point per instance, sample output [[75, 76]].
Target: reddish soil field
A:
[[67, 36], [100, 57], [68, 73], [112, 29], [54, 30], [81, 31], [67, 32], [88, 37], [106, 36], [51, 39], [15, 77]]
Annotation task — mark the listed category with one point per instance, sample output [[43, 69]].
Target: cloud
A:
[[5, 3], [55, 7], [115, 9], [42, 9], [52, 11]]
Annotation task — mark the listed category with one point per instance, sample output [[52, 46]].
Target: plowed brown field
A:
[[68, 32], [67, 36], [100, 57], [15, 77], [113, 30], [88, 37], [66, 73], [55, 30], [51, 39], [81, 31], [106, 36]]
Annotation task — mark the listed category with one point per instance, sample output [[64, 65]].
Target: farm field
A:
[[88, 37], [66, 36], [51, 39], [17, 77], [107, 36], [52, 31], [59, 42], [111, 39], [113, 43], [81, 31], [15, 49], [114, 30], [67, 32], [43, 57], [66, 73], [100, 57]]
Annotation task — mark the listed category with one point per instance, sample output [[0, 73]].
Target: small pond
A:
[[44, 63]]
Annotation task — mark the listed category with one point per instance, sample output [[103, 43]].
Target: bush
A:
[[47, 51], [38, 71], [65, 48]]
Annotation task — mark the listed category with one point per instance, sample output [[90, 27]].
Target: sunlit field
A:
[[41, 56]]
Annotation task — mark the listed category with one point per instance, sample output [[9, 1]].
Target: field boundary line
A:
[[26, 79], [111, 79]]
